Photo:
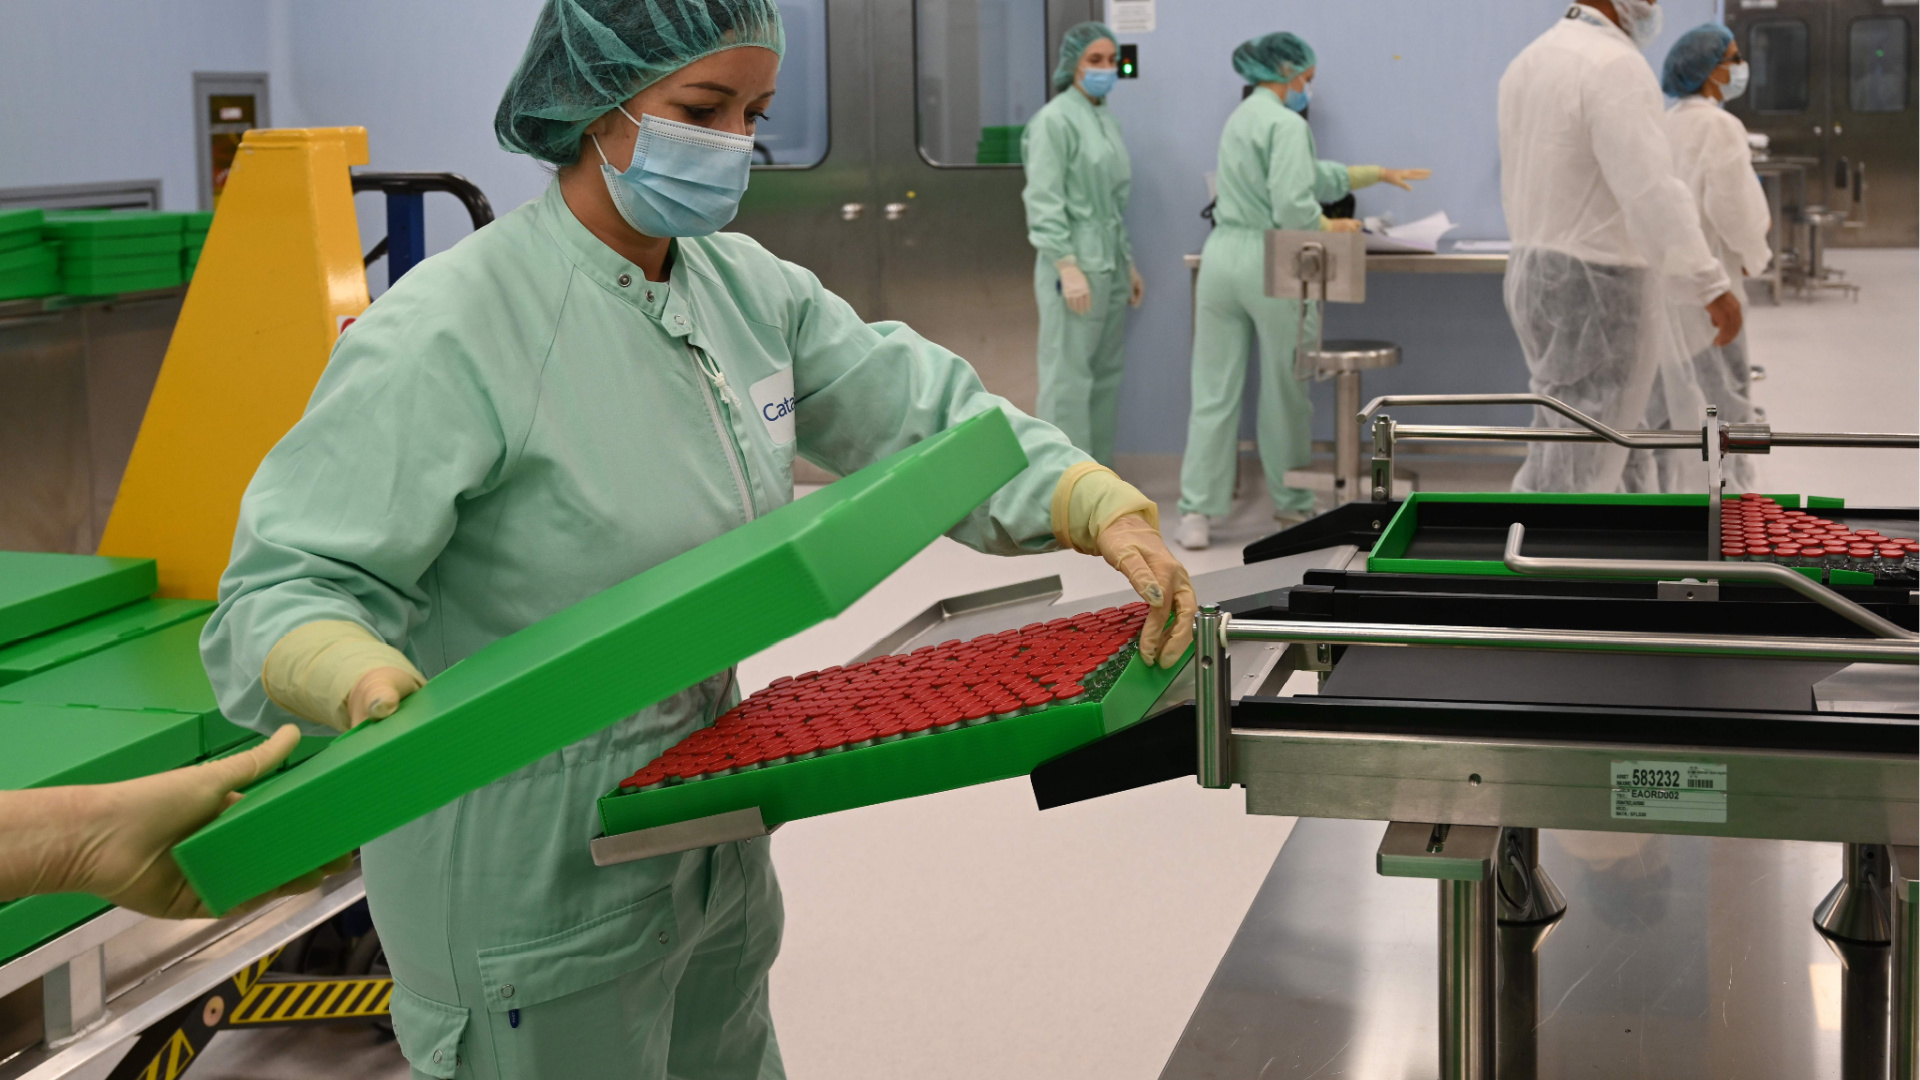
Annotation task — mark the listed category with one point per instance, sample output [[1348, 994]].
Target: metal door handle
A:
[[852, 211], [1841, 172], [895, 210]]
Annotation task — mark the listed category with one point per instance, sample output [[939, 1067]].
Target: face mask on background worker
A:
[[1298, 100], [683, 180], [1098, 82], [1642, 20], [1736, 81]]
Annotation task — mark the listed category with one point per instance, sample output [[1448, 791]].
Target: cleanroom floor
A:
[[967, 935]]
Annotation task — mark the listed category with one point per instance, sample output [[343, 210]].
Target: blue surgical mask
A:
[[1736, 82], [684, 180], [1298, 100], [1098, 82]]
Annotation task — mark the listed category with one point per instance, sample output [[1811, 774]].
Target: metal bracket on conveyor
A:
[[1462, 859], [745, 824]]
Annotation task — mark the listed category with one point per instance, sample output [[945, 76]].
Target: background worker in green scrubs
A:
[[568, 397], [1268, 178], [1078, 177]]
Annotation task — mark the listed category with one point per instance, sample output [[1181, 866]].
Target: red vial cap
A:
[[1890, 551]]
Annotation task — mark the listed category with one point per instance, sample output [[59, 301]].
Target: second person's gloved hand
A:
[[338, 674], [1073, 286], [1137, 286]]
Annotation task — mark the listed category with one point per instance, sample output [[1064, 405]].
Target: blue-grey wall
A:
[[101, 90]]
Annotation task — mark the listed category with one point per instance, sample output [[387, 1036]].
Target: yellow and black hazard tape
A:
[[313, 1000]]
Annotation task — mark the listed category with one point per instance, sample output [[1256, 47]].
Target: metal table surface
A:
[[1445, 262], [1682, 957]]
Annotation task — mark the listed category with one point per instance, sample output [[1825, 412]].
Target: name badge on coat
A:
[[773, 400]]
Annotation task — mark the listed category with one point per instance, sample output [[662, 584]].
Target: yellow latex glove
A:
[[1399, 177], [1096, 512], [338, 674], [1339, 224], [1073, 286], [116, 840], [1137, 287]]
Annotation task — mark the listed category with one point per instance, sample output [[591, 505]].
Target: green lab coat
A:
[[1078, 177], [516, 425]]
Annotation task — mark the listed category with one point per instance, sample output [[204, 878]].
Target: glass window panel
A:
[[981, 71], [1877, 65], [1777, 52], [794, 134]]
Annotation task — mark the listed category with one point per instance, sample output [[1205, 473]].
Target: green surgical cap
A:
[[586, 56], [1277, 58], [1074, 44]]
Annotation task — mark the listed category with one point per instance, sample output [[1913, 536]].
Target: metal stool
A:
[[1817, 274], [1343, 361]]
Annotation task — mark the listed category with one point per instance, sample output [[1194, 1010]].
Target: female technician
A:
[[1083, 274], [1269, 178], [566, 398]]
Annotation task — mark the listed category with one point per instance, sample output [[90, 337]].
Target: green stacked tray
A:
[[29, 266], [197, 224], [41, 591], [999, 145], [533, 692], [114, 251]]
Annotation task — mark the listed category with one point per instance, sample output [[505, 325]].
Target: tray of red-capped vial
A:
[[936, 718], [1830, 541]]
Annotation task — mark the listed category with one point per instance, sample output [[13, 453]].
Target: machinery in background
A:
[[1833, 90]]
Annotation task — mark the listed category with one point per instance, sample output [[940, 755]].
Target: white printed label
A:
[[1130, 16], [1670, 791], [773, 398]]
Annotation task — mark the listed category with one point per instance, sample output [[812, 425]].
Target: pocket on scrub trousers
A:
[[429, 1031]]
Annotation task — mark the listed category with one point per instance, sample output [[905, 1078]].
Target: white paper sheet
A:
[[1415, 237], [1483, 247]]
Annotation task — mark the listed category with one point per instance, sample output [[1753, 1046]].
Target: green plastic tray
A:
[[18, 287], [46, 651], [553, 683], [197, 222], [80, 224], [160, 670], [90, 284], [101, 266], [25, 238], [121, 247], [40, 591], [898, 770], [49, 745], [36, 258], [18, 223]]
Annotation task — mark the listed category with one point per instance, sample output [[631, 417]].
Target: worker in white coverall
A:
[[1610, 276]]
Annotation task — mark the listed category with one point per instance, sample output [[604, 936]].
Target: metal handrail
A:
[[1851, 650], [1754, 438], [1771, 573]]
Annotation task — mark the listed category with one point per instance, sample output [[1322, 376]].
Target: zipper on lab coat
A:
[[713, 384]]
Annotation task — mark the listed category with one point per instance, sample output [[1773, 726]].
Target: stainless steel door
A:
[[953, 247], [1833, 83], [1874, 148], [822, 217]]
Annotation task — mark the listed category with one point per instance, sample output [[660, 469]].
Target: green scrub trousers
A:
[[1081, 357]]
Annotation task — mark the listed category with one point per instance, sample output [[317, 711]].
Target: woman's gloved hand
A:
[[1134, 546], [1137, 287], [116, 840], [1342, 225], [1073, 286], [338, 674], [1097, 513], [1399, 177]]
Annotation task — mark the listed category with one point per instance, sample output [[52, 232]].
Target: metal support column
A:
[[74, 996], [1348, 482], [1906, 961], [1857, 920], [1212, 697], [1529, 905], [1462, 858]]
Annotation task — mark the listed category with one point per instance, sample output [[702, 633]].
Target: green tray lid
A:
[[32, 259], [99, 223], [50, 745], [119, 247], [41, 590], [90, 284], [198, 221], [31, 219], [44, 652], [536, 691], [108, 265]]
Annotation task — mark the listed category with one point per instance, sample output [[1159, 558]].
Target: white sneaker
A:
[[1194, 534], [1289, 519]]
